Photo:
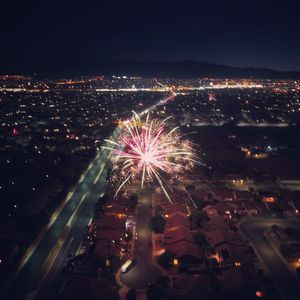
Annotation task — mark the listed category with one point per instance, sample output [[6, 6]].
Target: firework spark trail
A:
[[147, 151]]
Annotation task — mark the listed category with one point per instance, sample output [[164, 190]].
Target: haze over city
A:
[[149, 150]]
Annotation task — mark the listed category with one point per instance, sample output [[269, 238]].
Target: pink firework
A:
[[147, 151]]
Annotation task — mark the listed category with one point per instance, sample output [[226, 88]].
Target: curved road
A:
[[144, 271], [254, 228]]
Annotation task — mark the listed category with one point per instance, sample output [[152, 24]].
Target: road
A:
[[32, 280], [144, 271], [77, 212], [254, 229], [52, 283]]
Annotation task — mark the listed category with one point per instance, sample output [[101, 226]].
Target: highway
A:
[[254, 228], [74, 216], [144, 271], [39, 276], [53, 282]]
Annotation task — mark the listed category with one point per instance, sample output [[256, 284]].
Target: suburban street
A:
[[73, 217], [254, 228], [144, 271]]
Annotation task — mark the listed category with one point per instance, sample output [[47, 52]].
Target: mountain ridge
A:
[[159, 68]]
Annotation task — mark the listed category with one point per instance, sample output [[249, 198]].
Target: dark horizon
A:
[[255, 34], [68, 68]]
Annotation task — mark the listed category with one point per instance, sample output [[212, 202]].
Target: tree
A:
[[200, 202], [131, 295], [158, 210], [163, 282], [190, 187], [198, 218], [199, 238], [166, 259], [132, 202], [214, 283], [154, 292], [157, 224]]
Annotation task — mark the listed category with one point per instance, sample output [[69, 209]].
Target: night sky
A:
[[239, 33]]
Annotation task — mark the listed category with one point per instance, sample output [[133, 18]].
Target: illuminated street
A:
[[77, 211], [255, 228], [144, 271], [52, 282]]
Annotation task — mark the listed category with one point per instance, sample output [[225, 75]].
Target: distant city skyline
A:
[[261, 34]]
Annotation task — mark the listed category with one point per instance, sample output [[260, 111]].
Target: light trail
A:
[[100, 172], [76, 210]]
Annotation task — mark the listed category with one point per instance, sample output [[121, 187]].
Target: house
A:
[[109, 222], [216, 222], [188, 287], [210, 210], [232, 279], [108, 234], [107, 248], [176, 207], [183, 248], [295, 205], [177, 232], [176, 220], [241, 195], [292, 199], [204, 195], [90, 288], [261, 208], [111, 234], [249, 207], [288, 195], [229, 247], [115, 209], [179, 240], [223, 195], [224, 208]]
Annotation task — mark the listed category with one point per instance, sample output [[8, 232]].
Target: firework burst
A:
[[149, 152]]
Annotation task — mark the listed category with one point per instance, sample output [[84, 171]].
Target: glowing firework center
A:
[[151, 153]]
